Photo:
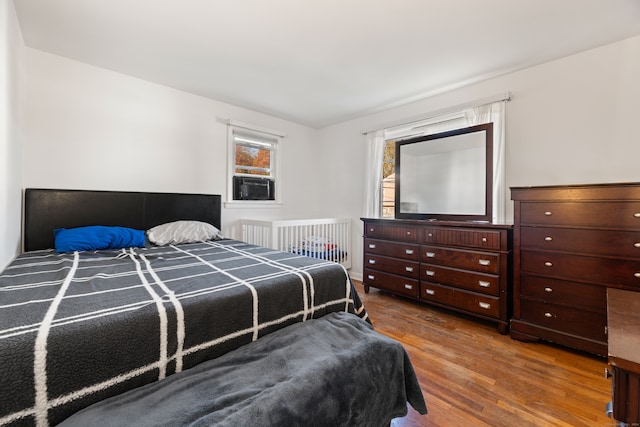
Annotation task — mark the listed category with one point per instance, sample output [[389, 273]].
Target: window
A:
[[380, 181], [426, 127], [253, 156], [389, 179]]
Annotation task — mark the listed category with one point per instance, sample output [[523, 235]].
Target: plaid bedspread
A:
[[77, 328]]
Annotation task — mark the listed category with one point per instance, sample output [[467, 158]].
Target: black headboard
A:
[[47, 209]]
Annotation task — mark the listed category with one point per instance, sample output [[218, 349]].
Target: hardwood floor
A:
[[473, 376]]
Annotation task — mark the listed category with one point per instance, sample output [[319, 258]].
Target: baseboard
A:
[[356, 276]]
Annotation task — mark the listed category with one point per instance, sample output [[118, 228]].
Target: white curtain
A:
[[494, 112], [373, 174]]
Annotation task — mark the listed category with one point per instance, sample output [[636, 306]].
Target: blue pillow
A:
[[95, 237]]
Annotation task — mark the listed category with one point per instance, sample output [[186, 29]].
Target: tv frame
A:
[[487, 215]]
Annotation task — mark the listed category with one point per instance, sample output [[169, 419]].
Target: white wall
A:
[[571, 121], [11, 117], [91, 128]]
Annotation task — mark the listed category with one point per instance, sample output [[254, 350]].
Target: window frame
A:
[[253, 136], [253, 141]]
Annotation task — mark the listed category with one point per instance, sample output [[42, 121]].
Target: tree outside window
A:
[[252, 160], [389, 179]]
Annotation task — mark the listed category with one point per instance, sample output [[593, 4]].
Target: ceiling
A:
[[321, 62]]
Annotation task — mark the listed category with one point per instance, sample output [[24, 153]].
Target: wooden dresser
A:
[[570, 244], [623, 310], [463, 266]]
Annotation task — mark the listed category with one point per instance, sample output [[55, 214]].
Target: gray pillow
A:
[[175, 233]]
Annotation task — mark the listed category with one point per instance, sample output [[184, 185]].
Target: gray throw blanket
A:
[[332, 371]]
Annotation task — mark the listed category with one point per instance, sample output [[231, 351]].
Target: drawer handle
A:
[[430, 234], [484, 262], [548, 238], [548, 264], [372, 261], [637, 245], [484, 283], [637, 214], [548, 289], [372, 246], [409, 269], [430, 291], [547, 314], [371, 277], [431, 273], [637, 275], [408, 251], [372, 229], [407, 286], [408, 233], [484, 305], [548, 213], [484, 240], [431, 254]]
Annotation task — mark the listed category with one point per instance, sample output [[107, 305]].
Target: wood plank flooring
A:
[[473, 376]]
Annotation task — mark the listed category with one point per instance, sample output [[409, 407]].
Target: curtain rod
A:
[[506, 96]]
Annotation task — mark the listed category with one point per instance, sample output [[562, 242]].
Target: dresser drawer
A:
[[562, 292], [485, 262], [484, 239], [591, 214], [392, 249], [605, 271], [392, 283], [468, 301], [476, 282], [566, 319], [393, 232], [392, 265], [596, 242]]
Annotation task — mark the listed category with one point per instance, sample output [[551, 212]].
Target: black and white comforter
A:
[[77, 328]]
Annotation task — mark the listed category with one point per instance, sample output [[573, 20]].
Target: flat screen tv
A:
[[446, 176]]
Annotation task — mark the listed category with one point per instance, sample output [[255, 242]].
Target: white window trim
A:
[[259, 132]]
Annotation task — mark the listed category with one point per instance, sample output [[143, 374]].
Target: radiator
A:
[[326, 238]]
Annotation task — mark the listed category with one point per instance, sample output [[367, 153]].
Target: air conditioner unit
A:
[[249, 188]]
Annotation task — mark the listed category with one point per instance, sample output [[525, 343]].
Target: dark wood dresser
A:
[[463, 266], [623, 310], [570, 244]]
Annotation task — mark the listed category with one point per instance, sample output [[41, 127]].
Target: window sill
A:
[[252, 204]]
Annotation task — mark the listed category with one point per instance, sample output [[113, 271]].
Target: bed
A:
[[84, 329]]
